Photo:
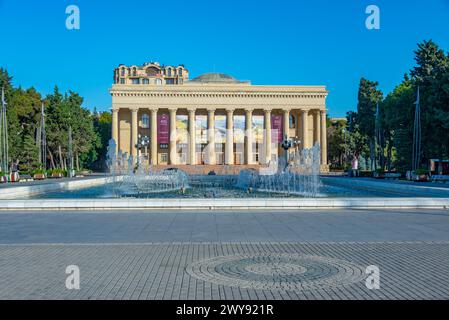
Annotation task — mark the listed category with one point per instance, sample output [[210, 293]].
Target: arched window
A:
[[145, 81], [145, 121], [152, 71], [122, 70], [169, 72], [158, 81], [180, 71]]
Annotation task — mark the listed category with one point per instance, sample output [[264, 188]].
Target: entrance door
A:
[[163, 158]]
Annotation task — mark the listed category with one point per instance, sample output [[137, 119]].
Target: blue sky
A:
[[291, 42]]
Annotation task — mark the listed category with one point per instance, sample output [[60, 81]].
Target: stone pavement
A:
[[243, 271], [224, 226], [225, 254]]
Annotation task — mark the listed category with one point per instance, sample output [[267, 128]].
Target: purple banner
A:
[[163, 126], [276, 128]]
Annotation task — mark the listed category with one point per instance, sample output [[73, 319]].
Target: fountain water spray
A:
[[300, 176], [128, 180]]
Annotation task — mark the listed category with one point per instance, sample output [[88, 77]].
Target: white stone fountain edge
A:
[[208, 204], [17, 191]]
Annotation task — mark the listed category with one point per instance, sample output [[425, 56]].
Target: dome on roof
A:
[[215, 78]]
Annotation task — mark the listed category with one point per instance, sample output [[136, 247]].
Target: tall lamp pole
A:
[[288, 144], [4, 148]]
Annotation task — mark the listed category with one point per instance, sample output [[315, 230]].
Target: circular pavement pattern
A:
[[285, 272]]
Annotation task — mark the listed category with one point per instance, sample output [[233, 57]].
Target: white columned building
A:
[[213, 119]]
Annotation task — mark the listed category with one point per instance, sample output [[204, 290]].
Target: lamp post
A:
[[287, 144], [142, 142], [345, 155]]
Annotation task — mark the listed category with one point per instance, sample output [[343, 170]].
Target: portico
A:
[[217, 122]]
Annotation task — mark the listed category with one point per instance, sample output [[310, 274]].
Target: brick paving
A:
[[408, 270]]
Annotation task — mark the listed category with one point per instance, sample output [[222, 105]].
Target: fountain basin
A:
[[210, 204]]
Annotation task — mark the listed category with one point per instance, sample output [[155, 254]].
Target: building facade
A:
[[167, 119]]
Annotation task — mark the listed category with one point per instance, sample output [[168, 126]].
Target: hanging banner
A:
[[276, 128], [163, 126]]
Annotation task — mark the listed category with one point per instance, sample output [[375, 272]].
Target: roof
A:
[[215, 78]]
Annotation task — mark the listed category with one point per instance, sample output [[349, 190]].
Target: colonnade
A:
[[319, 133]]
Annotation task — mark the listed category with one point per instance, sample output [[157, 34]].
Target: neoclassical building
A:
[[167, 119]]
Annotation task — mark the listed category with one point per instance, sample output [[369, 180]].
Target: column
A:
[[172, 146], [304, 129], [134, 132], [211, 158], [267, 135], [115, 127], [153, 137], [192, 137], [323, 138], [316, 127], [249, 136], [286, 126], [229, 153]]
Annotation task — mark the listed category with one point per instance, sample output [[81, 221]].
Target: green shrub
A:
[[39, 171], [421, 171]]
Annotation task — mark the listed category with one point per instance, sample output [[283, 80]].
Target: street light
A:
[[142, 142], [288, 144]]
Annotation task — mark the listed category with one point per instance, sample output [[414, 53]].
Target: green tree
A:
[[338, 136], [431, 75], [398, 116], [64, 112], [102, 124]]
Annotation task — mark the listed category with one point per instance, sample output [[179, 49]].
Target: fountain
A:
[[126, 179], [299, 176], [296, 176]]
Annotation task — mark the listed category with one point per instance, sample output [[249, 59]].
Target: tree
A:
[[431, 75], [64, 112], [398, 115], [368, 98], [102, 125], [337, 143]]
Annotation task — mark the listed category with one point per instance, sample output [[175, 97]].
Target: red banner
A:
[[163, 128], [276, 128]]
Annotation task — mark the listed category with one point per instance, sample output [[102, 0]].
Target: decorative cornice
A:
[[205, 91]]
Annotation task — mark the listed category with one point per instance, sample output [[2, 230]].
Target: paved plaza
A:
[[225, 254]]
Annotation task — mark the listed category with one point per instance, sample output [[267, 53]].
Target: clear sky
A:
[[296, 42]]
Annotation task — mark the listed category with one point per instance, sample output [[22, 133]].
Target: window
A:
[[158, 82], [292, 122], [169, 81], [180, 81], [122, 81], [152, 71], [180, 72], [146, 81], [145, 121], [169, 73], [135, 81], [123, 72], [134, 72]]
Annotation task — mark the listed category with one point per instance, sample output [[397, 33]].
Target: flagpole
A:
[[4, 135]]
